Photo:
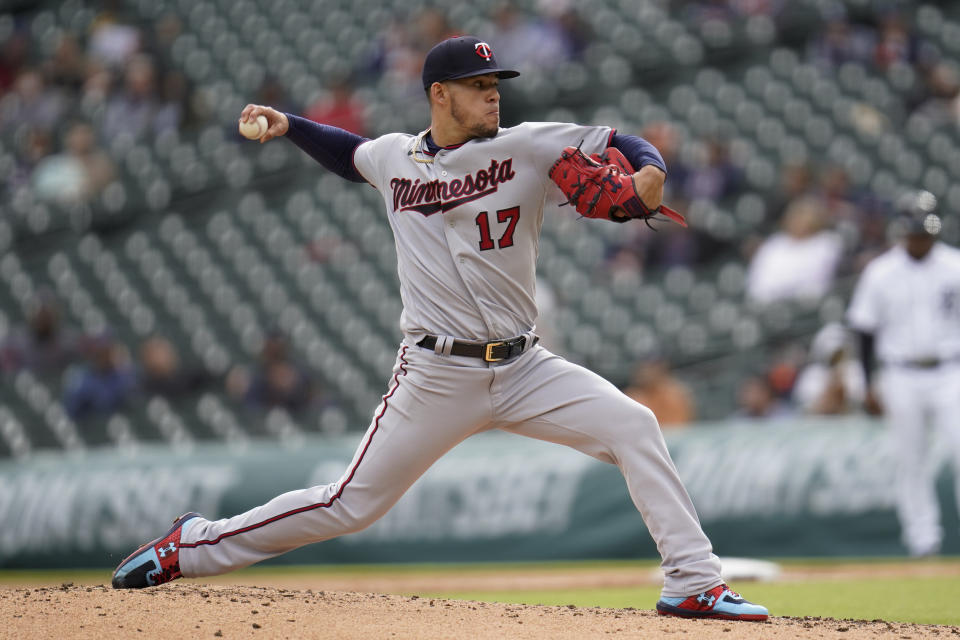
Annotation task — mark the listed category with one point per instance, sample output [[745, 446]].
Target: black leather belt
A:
[[495, 351]]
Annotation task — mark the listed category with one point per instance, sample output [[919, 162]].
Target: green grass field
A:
[[926, 599], [921, 600]]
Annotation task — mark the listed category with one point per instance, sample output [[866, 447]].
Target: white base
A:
[[741, 569]]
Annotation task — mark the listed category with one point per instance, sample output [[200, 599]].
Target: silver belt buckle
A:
[[488, 351]]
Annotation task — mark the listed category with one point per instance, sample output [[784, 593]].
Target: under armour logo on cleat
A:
[[703, 598], [163, 551]]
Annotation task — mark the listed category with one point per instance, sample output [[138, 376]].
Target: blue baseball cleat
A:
[[155, 562], [719, 602]]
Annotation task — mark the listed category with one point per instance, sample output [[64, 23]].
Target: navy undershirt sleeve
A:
[[330, 146], [638, 151]]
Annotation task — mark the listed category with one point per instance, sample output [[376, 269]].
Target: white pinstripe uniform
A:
[[913, 308], [466, 224]]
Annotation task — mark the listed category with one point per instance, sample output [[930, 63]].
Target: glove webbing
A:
[[581, 186], [634, 207]]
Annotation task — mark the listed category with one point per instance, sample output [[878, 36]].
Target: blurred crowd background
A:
[[162, 279]]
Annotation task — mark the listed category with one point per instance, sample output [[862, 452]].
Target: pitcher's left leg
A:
[[546, 397]]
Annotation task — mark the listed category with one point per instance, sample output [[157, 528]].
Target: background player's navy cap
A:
[[461, 57], [918, 213]]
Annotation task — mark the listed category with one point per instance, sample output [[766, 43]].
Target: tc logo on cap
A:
[[483, 50]]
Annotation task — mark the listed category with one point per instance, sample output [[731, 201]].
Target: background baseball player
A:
[[906, 308], [465, 200]]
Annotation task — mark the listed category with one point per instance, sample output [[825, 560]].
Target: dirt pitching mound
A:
[[189, 610]]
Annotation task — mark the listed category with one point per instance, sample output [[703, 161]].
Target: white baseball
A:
[[254, 130]]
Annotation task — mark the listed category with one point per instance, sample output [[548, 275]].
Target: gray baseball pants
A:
[[433, 403]]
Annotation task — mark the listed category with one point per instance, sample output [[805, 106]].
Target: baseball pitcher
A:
[[465, 200]]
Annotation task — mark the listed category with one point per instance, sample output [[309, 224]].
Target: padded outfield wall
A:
[[790, 488]]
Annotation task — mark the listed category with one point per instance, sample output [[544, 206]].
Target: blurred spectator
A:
[[393, 54], [574, 30], [271, 92], [104, 384], [76, 175], [34, 146], [111, 41], [783, 370], [796, 181], [322, 248], [402, 46], [759, 7], [133, 110], [872, 233], [276, 380], [341, 108], [162, 373], [42, 346], [432, 25], [840, 42], [174, 106], [836, 196], [714, 176], [67, 68], [697, 13], [728, 10], [942, 104], [869, 120], [623, 263], [97, 86], [895, 42], [844, 209], [756, 399], [13, 57], [655, 387], [527, 41], [798, 262], [832, 382], [31, 103], [672, 245], [159, 40]]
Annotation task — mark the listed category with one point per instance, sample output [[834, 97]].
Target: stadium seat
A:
[[215, 241]]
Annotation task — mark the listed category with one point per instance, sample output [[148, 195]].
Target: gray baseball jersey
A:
[[466, 223]]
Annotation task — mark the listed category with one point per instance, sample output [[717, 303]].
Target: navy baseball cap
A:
[[461, 57], [918, 213]]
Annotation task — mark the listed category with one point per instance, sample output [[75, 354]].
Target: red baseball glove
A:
[[601, 186]]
